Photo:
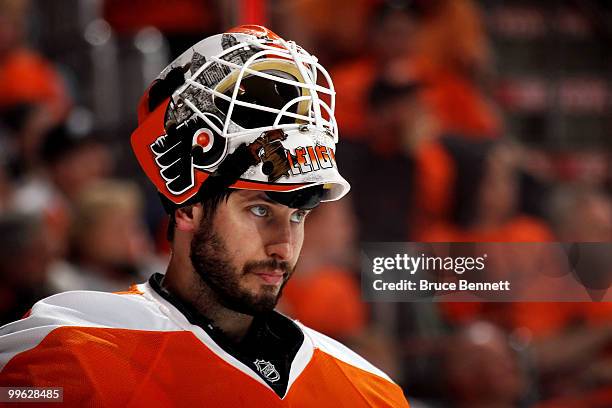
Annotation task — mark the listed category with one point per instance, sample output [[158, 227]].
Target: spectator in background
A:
[[74, 160], [108, 246], [71, 162], [32, 94], [384, 162], [441, 44], [452, 56], [480, 369], [25, 256], [485, 198], [388, 43]]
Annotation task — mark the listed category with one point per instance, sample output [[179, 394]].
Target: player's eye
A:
[[259, 210], [299, 216]]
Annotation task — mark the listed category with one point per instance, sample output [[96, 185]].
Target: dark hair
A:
[[209, 203], [60, 141]]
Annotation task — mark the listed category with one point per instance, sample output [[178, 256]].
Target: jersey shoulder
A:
[[126, 310], [341, 352], [69, 312]]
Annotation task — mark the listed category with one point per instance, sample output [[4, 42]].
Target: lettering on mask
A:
[[310, 158]]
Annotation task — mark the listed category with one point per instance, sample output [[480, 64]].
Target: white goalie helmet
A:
[[244, 109]]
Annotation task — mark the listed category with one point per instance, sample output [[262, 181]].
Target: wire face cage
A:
[[255, 85]]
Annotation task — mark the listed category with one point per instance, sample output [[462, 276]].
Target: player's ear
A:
[[188, 218]]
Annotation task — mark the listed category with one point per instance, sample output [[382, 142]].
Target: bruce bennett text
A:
[[425, 285]]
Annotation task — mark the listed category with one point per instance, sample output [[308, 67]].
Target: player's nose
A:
[[280, 244]]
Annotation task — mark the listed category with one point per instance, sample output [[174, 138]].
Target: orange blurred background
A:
[[459, 120]]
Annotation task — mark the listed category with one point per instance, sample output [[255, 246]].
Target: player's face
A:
[[248, 250]]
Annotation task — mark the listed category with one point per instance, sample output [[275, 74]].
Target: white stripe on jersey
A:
[[149, 312], [340, 351]]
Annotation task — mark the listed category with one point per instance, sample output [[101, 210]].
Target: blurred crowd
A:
[[439, 140]]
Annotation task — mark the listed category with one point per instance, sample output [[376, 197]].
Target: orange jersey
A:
[[137, 349]]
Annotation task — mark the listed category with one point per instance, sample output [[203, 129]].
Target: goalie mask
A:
[[245, 110]]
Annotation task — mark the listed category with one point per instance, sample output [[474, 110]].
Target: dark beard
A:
[[212, 263]]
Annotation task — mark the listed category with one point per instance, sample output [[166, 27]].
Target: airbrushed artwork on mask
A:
[[278, 161], [269, 150], [310, 158], [238, 56], [179, 111], [194, 146], [191, 145], [207, 147], [210, 77], [172, 156]]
